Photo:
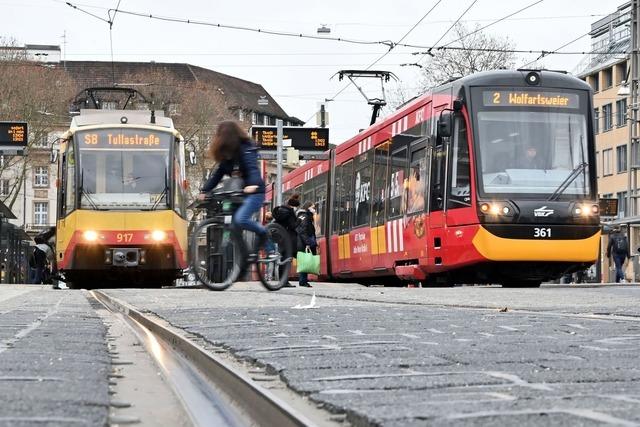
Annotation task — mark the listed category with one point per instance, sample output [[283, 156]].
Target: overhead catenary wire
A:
[[556, 50], [387, 52], [448, 29]]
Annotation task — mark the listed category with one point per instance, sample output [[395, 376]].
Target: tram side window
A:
[[337, 199], [417, 181], [346, 199], [362, 194], [379, 190], [459, 193], [70, 179], [397, 182], [180, 177], [321, 202]]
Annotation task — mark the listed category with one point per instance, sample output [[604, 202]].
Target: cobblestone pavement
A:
[[430, 360], [53, 359]]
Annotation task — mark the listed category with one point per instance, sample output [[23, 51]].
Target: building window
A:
[[254, 118], [595, 82], [41, 213], [596, 120], [622, 203], [606, 162], [607, 78], [621, 112], [4, 187], [607, 116], [621, 158], [40, 176], [598, 165], [241, 115], [621, 72], [265, 120], [173, 109]]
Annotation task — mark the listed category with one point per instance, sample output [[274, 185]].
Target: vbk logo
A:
[[543, 211]]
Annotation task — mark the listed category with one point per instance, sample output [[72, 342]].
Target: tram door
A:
[[437, 213], [379, 196]]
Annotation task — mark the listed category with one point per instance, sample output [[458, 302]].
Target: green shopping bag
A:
[[307, 262]]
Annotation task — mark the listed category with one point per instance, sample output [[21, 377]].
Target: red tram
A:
[[487, 179]]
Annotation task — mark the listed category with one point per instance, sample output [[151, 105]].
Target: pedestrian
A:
[[618, 249], [285, 215], [232, 148], [42, 258], [306, 236]]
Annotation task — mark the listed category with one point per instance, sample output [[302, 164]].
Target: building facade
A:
[[607, 72]]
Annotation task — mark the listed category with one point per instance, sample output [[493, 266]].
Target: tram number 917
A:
[[541, 232], [124, 237]]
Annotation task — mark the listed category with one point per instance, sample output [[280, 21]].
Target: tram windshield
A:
[[533, 152], [124, 169]]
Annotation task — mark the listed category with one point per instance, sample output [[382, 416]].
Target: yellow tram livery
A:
[[121, 200]]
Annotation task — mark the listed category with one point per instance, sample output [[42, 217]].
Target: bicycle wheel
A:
[[216, 255], [274, 262]]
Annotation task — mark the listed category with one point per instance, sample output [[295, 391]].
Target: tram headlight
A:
[[497, 209], [90, 235], [158, 235], [586, 210]]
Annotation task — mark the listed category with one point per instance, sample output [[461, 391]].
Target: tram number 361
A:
[[541, 232]]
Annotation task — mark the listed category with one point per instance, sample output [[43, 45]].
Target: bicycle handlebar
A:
[[216, 196]]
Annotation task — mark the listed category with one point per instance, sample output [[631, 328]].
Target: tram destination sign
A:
[[525, 98], [13, 135], [307, 139]]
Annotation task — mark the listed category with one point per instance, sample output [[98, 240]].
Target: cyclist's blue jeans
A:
[[242, 218]]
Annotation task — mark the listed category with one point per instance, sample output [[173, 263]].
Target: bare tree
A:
[[479, 51], [38, 94]]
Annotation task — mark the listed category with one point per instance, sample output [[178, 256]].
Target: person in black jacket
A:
[[306, 236], [618, 249], [233, 149], [285, 215]]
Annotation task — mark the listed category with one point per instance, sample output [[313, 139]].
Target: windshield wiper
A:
[[568, 180], [86, 194], [165, 192]]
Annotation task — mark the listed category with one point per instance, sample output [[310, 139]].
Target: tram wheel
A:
[[522, 284]]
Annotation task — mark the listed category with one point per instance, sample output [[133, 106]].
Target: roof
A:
[[5, 212], [239, 93]]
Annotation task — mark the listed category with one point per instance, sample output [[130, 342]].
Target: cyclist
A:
[[232, 148]]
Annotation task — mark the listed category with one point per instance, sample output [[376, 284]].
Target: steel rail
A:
[[258, 404]]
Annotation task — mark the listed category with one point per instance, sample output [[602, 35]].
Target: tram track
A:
[[211, 390]]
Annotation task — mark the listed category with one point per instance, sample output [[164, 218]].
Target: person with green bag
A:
[[307, 259]]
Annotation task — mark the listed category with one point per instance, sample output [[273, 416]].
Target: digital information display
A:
[[519, 98], [266, 137], [14, 134], [608, 207], [137, 139]]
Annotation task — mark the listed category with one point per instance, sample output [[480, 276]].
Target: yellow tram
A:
[[121, 216]]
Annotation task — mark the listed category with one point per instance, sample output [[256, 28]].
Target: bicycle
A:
[[221, 254]]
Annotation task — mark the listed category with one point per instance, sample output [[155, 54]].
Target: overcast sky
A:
[[297, 72]]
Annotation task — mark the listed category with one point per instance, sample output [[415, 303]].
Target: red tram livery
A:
[[487, 179]]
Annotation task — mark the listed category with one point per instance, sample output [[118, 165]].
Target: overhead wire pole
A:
[[632, 143]]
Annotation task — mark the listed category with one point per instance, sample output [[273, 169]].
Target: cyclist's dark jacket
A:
[[247, 162]]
